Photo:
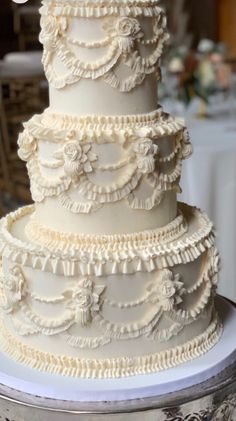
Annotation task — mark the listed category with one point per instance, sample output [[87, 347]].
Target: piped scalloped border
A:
[[128, 131], [101, 261], [53, 125], [113, 367], [55, 241], [101, 8]]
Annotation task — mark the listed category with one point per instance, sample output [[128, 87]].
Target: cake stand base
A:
[[202, 390]]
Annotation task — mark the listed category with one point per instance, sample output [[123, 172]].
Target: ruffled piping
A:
[[99, 261], [110, 193], [149, 203], [98, 9], [130, 330], [114, 367], [81, 343], [41, 186], [187, 316], [57, 240], [56, 126], [76, 206], [124, 85], [105, 67]]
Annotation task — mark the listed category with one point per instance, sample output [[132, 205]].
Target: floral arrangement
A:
[[199, 72]]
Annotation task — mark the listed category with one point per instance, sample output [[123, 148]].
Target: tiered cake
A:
[[106, 275]]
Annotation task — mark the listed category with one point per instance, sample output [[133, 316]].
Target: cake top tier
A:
[[117, 44]]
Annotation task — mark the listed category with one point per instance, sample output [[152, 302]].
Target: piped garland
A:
[[83, 300], [110, 368], [142, 161], [123, 36]]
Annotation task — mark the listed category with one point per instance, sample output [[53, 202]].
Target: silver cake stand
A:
[[215, 399]]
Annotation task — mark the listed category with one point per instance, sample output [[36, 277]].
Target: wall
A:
[[8, 41], [201, 19], [227, 25]]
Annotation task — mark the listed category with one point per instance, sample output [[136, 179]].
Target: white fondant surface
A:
[[114, 218], [81, 390], [85, 99]]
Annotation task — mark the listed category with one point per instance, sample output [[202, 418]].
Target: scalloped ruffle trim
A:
[[144, 256], [101, 8], [113, 367], [55, 240], [53, 125]]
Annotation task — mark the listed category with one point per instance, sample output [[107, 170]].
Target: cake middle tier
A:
[[104, 175]]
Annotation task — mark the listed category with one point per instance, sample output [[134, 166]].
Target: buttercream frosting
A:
[[106, 275]]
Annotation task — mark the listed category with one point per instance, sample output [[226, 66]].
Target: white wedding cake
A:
[[106, 275]]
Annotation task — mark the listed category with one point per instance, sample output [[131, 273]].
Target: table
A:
[[209, 178]]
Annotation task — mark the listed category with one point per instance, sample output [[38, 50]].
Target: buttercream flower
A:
[[27, 145], [86, 299], [52, 28], [146, 152], [187, 148], [125, 30], [72, 151], [15, 287], [145, 147], [167, 292], [77, 158], [128, 27], [168, 289], [214, 267]]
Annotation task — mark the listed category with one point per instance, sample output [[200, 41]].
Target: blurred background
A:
[[198, 84]]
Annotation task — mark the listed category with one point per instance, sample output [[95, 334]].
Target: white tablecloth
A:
[[209, 182]]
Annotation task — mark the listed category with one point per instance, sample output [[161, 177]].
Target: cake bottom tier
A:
[[110, 307]]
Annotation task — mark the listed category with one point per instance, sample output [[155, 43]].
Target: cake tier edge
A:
[[107, 254], [114, 367], [99, 323]]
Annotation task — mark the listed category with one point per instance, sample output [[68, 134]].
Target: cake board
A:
[[201, 380]]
